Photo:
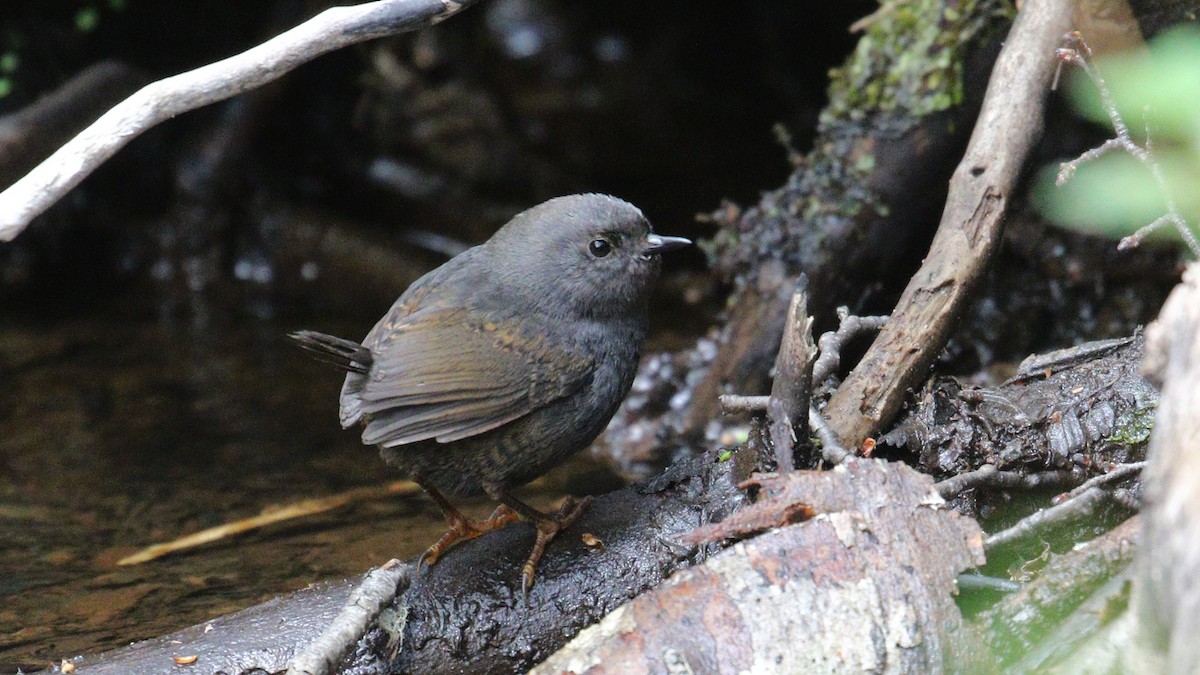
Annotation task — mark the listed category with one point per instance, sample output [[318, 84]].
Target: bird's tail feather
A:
[[345, 354]]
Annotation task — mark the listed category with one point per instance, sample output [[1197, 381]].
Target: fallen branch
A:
[[377, 590], [159, 101], [464, 614], [301, 509], [1166, 599], [969, 232]]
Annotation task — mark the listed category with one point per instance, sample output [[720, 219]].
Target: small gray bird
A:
[[506, 360]]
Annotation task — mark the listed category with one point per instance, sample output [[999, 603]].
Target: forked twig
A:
[[1076, 52]]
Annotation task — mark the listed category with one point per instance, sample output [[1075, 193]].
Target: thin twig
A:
[[1119, 472], [159, 101], [832, 342], [965, 481], [989, 476], [832, 450], [1081, 506], [1076, 52], [737, 403], [1066, 170], [975, 580]]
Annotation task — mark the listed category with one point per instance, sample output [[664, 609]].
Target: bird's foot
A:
[[548, 527], [462, 528]]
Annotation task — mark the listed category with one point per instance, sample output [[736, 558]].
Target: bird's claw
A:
[[462, 529], [547, 529]]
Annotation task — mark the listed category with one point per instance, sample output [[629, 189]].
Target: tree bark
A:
[[1166, 602]]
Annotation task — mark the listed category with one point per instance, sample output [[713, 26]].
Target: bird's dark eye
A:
[[599, 248]]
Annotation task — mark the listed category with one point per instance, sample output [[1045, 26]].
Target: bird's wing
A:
[[446, 374]]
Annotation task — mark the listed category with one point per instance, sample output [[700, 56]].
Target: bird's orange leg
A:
[[461, 527]]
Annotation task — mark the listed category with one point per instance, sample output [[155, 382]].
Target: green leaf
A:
[[1116, 195], [9, 62], [1160, 87], [87, 19]]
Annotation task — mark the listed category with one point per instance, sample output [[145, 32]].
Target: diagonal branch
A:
[[159, 101], [1009, 123]]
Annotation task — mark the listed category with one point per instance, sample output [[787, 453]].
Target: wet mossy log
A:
[[883, 553], [1156, 634], [1086, 406]]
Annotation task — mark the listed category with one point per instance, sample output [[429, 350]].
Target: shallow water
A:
[[120, 429]]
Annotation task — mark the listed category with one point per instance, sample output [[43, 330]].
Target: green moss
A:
[[1136, 428], [908, 62], [910, 58]]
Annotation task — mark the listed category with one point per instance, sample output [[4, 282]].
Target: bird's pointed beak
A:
[[657, 243]]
